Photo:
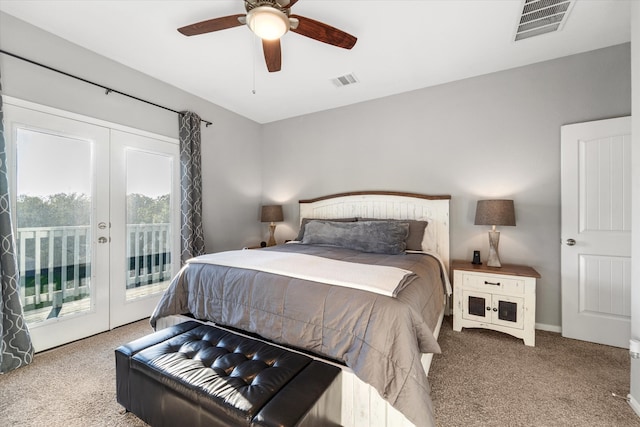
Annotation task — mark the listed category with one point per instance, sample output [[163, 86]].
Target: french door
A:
[[95, 212], [145, 237]]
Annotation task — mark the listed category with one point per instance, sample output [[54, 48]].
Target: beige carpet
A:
[[70, 386], [483, 378]]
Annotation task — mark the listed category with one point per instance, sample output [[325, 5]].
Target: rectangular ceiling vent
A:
[[542, 16], [346, 80]]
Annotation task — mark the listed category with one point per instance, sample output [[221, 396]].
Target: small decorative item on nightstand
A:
[[502, 299]]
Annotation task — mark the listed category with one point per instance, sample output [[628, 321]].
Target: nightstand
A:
[[499, 298]]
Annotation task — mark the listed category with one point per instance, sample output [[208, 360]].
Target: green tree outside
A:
[[68, 209]]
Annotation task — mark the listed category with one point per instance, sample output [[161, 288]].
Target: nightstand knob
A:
[[488, 308], [495, 309]]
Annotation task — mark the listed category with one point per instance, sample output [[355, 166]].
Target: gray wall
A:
[[496, 135], [231, 153]]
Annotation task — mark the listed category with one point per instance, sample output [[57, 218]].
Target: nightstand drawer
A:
[[488, 282]]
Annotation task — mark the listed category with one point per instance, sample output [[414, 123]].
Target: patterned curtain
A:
[[16, 348], [191, 233]]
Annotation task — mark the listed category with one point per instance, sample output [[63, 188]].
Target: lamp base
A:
[[272, 239], [494, 258]]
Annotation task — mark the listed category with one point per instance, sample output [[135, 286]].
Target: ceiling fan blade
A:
[[323, 32], [212, 25], [272, 54]]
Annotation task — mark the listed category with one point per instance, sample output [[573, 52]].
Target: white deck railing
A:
[[58, 259], [149, 254]]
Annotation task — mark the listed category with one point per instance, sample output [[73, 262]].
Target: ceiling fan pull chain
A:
[[255, 52]]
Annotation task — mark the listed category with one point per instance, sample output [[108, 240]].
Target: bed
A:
[[382, 335]]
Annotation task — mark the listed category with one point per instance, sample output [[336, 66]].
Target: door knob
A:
[[571, 242], [102, 240]]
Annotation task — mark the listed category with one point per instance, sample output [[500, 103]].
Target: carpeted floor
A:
[[482, 378], [70, 386], [485, 378]]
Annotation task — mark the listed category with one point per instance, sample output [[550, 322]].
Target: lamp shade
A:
[[271, 213], [495, 212]]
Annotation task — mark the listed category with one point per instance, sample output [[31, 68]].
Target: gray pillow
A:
[[416, 231], [306, 220], [383, 237]]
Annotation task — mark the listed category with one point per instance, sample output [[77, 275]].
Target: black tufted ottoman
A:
[[194, 375]]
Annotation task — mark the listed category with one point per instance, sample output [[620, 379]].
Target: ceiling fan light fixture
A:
[[267, 22]]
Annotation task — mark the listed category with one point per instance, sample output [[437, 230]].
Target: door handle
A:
[[571, 242], [102, 240]]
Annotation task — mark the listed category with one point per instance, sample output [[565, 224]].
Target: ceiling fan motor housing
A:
[[280, 5]]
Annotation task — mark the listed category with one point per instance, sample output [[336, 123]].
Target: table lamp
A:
[[495, 212], [271, 214]]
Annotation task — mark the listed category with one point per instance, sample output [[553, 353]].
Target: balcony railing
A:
[[149, 254], [55, 262]]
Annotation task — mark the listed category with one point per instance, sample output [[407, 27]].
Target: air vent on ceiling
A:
[[346, 80], [542, 16]]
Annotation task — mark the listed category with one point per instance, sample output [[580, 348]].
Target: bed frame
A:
[[361, 403]]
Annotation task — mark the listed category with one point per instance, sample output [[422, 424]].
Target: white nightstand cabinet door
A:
[[476, 306], [507, 311]]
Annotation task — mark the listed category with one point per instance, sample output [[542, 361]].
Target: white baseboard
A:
[[550, 328], [634, 404]]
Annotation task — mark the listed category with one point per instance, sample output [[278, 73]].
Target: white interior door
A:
[[596, 231]]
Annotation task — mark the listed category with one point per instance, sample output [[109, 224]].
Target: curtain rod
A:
[[107, 90]]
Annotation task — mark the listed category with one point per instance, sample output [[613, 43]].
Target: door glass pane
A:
[[53, 219], [508, 311], [148, 189], [476, 306]]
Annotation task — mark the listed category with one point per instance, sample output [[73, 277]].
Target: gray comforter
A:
[[380, 338]]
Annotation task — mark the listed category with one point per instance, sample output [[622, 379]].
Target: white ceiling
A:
[[402, 46]]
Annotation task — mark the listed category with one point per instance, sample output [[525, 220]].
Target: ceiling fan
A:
[[270, 20]]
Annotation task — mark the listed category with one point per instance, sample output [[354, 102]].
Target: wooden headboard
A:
[[385, 204]]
